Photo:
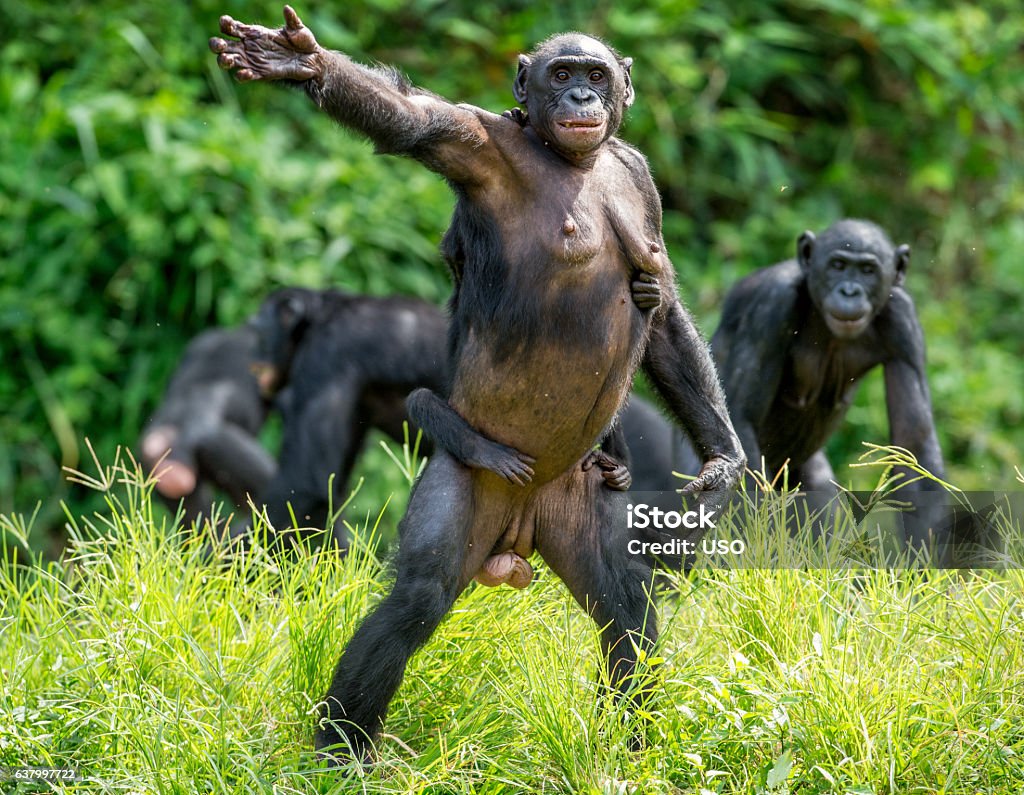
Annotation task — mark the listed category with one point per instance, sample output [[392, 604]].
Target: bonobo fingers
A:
[[646, 291], [618, 479], [291, 19], [288, 53], [716, 479]]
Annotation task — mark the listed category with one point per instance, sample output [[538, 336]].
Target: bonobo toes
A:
[[616, 475], [513, 466], [335, 748]]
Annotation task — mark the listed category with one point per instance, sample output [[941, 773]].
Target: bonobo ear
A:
[[901, 259], [630, 94], [522, 75], [293, 313], [805, 249]]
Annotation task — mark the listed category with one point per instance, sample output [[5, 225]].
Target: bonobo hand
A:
[[646, 291], [288, 53], [616, 475], [715, 481]]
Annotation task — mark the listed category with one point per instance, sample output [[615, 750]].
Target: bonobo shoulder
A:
[[900, 326], [775, 283], [633, 159]]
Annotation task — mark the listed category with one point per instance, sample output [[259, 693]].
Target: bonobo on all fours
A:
[[554, 219], [204, 432], [796, 338]]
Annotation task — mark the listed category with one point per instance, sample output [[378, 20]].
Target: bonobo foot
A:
[[440, 422], [335, 750], [505, 568], [616, 475], [646, 291]]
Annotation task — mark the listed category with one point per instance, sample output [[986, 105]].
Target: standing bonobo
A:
[[555, 218], [810, 329]]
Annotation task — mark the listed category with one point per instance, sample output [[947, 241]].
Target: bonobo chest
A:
[[579, 216], [823, 372]]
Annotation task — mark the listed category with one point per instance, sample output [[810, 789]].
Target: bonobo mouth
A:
[[847, 327], [580, 124], [267, 377]]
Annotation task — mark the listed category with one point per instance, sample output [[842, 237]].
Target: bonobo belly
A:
[[553, 399]]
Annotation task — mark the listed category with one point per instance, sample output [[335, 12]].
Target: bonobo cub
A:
[[555, 218], [797, 337]]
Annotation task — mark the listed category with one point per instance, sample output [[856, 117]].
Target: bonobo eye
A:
[[836, 264], [596, 76], [868, 269], [562, 75]]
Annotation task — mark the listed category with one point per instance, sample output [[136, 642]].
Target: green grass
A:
[[152, 672]]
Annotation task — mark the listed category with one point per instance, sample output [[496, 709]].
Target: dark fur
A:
[[212, 412], [348, 362]]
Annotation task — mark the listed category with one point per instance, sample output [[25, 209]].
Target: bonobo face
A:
[[850, 273], [574, 89], [279, 324]]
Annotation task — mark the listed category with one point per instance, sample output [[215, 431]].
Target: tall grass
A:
[[152, 671]]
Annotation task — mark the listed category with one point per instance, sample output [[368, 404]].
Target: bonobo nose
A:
[[582, 95], [850, 290]]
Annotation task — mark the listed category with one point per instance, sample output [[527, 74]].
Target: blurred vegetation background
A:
[[145, 197]]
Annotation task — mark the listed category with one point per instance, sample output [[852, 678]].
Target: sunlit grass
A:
[[152, 671]]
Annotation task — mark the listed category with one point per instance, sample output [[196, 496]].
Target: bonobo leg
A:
[[446, 427], [816, 479], [236, 462], [467, 445], [441, 545], [584, 540]]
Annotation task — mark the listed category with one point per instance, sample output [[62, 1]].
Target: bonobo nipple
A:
[[569, 227], [655, 248]]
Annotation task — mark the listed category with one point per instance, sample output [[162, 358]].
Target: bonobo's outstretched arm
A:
[[378, 103], [681, 370]]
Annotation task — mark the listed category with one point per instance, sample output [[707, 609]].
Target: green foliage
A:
[[144, 197]]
